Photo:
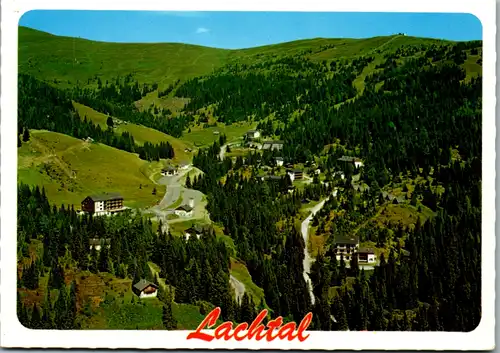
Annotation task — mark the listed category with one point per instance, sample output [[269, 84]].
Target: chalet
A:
[[295, 174], [279, 161], [273, 145], [355, 161], [103, 204], [253, 134], [194, 230], [169, 171], [145, 289], [184, 211], [97, 243], [346, 247], [366, 255]]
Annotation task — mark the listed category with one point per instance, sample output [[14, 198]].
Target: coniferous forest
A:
[[413, 115]]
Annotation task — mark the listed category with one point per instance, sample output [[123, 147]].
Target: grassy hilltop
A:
[[52, 57]]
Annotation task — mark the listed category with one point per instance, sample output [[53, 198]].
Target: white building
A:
[[279, 161], [169, 171], [346, 247], [184, 211], [366, 255], [194, 230], [103, 204], [356, 161], [295, 174], [253, 134]]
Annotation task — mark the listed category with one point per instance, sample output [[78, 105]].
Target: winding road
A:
[[239, 288], [308, 260], [175, 190], [223, 151]]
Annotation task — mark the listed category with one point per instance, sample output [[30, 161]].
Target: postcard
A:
[[248, 176]]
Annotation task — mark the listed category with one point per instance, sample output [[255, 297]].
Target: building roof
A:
[[186, 208], [273, 177], [366, 251], [99, 241], [143, 284], [197, 228], [346, 240], [106, 196], [349, 159], [275, 142]]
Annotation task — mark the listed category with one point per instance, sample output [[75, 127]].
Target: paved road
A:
[[223, 151], [308, 260], [239, 288], [174, 187]]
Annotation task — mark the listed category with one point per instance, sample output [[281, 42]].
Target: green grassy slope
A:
[[141, 133], [71, 169], [52, 57]]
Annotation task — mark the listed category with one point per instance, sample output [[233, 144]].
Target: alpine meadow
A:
[[158, 181]]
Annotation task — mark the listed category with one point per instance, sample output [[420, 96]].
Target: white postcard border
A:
[[13, 334]]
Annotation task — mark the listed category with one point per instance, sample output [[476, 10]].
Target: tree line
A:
[[41, 106]]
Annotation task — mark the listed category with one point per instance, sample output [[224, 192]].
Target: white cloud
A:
[[202, 30]]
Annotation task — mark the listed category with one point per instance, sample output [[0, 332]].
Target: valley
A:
[[326, 175]]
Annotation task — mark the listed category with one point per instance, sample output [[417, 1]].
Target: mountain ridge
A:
[[296, 41]]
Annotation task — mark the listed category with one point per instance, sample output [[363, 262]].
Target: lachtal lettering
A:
[[254, 331]]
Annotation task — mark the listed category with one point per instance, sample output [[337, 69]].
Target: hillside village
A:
[[275, 170], [146, 202]]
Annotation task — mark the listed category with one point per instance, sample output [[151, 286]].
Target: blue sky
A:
[[234, 30]]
